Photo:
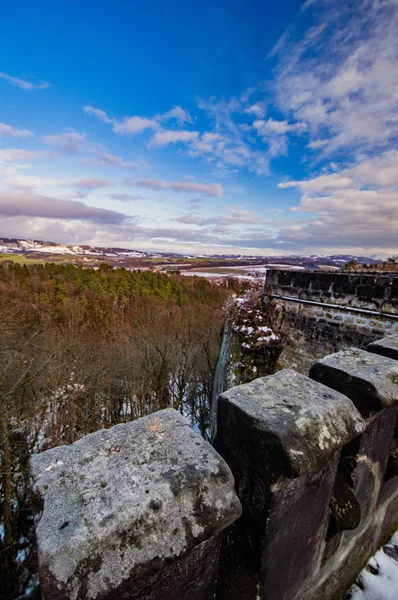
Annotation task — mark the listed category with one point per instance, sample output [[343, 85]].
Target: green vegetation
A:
[[255, 347], [20, 259], [352, 265], [82, 349]]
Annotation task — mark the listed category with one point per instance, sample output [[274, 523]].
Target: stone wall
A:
[[344, 308], [139, 511], [315, 461]]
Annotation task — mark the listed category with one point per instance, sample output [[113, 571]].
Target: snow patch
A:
[[379, 579]]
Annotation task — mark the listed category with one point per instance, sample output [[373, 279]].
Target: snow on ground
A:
[[379, 579], [214, 275]]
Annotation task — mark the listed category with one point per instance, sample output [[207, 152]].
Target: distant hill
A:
[[31, 248], [11, 246]]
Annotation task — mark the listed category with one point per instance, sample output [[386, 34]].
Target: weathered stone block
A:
[[297, 523], [301, 421], [132, 512], [369, 380], [282, 437], [387, 346]]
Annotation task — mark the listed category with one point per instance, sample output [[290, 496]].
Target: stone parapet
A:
[[132, 512], [388, 346], [369, 291], [316, 471], [368, 379], [136, 512], [342, 308], [300, 422]]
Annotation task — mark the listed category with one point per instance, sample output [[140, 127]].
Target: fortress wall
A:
[[316, 469], [346, 308]]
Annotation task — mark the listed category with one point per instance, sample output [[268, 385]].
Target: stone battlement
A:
[[137, 511], [348, 308], [315, 466]]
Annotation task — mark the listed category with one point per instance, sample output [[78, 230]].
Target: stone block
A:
[[372, 458], [282, 437], [387, 346], [369, 380], [299, 421], [296, 528], [132, 512]]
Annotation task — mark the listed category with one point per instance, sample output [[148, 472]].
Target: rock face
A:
[[132, 512], [388, 346]]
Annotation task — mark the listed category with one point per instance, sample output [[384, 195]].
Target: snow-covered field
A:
[[214, 275], [379, 579]]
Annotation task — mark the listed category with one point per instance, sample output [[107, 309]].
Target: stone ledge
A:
[[388, 346], [125, 503], [302, 421], [369, 380]]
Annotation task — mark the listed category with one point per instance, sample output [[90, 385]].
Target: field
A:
[[22, 260]]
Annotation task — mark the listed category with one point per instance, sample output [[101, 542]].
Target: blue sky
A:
[[201, 127]]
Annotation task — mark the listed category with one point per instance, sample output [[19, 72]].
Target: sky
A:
[[211, 127]]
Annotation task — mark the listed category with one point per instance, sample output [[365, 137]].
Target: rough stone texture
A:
[[369, 380], [347, 553], [388, 346], [377, 292], [340, 327], [335, 322], [290, 500], [282, 437], [303, 421], [132, 512], [296, 529]]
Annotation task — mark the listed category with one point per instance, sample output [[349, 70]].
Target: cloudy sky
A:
[[254, 127]]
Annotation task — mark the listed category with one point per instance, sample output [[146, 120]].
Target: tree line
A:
[[82, 349]]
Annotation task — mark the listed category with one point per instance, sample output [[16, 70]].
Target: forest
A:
[[82, 349]]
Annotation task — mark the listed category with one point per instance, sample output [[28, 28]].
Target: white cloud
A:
[[381, 170], [97, 112], [316, 144], [33, 182], [235, 217], [255, 109], [167, 136], [344, 85], [207, 189], [179, 114], [66, 143], [125, 197], [228, 146], [226, 150], [349, 218], [355, 208], [307, 4], [274, 133], [272, 126], [17, 155], [321, 184], [104, 158], [10, 132], [133, 125], [23, 84], [37, 206], [126, 126]]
